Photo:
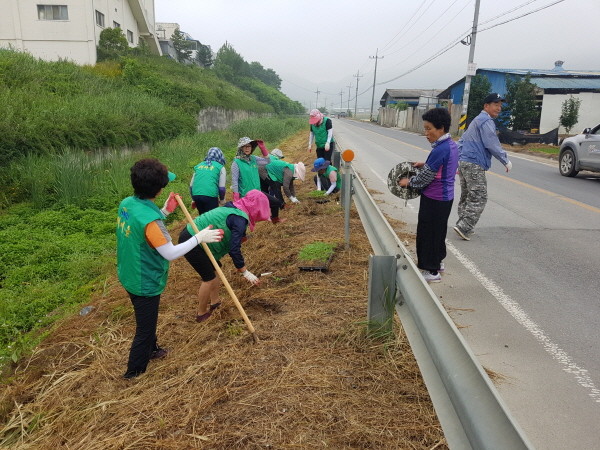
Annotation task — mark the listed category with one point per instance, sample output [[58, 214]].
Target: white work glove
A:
[[250, 277], [508, 166], [294, 200], [209, 235], [327, 147]]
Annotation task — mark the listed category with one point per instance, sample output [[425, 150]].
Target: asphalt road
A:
[[525, 290]]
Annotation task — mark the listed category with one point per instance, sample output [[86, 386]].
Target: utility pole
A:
[[470, 70], [349, 87], [358, 77], [374, 80], [317, 102], [341, 93]]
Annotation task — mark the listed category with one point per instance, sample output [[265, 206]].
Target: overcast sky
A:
[[323, 44]]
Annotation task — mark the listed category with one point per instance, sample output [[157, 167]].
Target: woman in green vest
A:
[[208, 182], [245, 173], [327, 178], [282, 175], [144, 249], [321, 130], [233, 219]]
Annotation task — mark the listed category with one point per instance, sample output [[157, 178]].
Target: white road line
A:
[[515, 310]]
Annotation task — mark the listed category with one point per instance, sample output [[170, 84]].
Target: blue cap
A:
[[320, 163]]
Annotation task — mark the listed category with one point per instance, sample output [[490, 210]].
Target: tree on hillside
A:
[[267, 76], [520, 99], [112, 44], [569, 114], [183, 47], [204, 56], [229, 64], [480, 88]]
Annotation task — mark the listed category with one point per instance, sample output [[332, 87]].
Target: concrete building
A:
[[70, 29], [164, 32], [554, 86]]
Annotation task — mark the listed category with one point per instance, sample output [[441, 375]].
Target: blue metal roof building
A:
[[558, 79]]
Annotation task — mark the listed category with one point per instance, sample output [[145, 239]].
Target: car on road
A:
[[580, 152]]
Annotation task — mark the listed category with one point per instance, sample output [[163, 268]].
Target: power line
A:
[[453, 44], [417, 19], [522, 15], [407, 22], [418, 36]]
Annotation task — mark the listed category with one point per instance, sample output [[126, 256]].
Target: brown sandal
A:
[[203, 317]]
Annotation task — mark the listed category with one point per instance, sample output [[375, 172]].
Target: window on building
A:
[[116, 24], [52, 12], [130, 36], [99, 19]]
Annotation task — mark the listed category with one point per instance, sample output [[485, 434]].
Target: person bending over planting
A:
[[245, 175], [327, 178], [282, 175], [233, 218], [144, 249], [207, 186]]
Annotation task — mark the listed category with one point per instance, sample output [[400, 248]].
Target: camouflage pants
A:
[[473, 195]]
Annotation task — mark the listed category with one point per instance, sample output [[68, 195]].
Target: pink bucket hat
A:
[[315, 117]]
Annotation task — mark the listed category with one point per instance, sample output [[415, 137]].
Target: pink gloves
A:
[[170, 204]]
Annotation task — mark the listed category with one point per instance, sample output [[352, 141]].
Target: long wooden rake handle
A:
[[219, 271]]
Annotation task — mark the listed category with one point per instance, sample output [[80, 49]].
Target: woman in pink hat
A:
[[233, 219], [321, 130]]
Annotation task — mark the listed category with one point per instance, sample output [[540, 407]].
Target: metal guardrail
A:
[[471, 412]]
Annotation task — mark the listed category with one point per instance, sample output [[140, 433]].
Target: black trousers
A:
[[204, 203], [431, 232], [144, 341], [321, 153]]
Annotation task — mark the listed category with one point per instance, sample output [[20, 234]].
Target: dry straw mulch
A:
[[313, 381]]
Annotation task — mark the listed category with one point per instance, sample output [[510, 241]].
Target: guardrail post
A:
[[346, 198], [336, 159], [382, 294]]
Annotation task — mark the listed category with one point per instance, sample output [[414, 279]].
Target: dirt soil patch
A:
[[313, 381]]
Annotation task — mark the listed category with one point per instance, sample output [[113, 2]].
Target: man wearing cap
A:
[[327, 178], [322, 132], [144, 249], [476, 148]]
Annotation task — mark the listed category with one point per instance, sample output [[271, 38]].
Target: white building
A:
[[70, 29], [164, 33]]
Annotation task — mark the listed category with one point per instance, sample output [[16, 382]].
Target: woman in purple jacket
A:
[[435, 179]]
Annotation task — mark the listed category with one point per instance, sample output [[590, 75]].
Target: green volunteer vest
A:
[[141, 269], [249, 178], [217, 218], [275, 169], [275, 158], [206, 179], [320, 133], [338, 182]]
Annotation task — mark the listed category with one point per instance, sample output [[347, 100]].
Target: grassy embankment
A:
[[59, 195]]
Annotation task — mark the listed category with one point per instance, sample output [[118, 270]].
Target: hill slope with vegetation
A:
[[124, 102]]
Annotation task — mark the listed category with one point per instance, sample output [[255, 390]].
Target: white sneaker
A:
[[431, 278], [462, 234], [442, 267]]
